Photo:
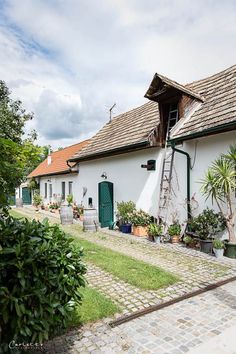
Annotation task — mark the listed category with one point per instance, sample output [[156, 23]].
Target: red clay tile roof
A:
[[58, 161]]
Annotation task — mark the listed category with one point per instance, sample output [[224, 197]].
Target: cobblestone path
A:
[[177, 329], [195, 269]]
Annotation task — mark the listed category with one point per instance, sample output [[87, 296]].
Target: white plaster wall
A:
[[56, 186], [203, 151], [131, 182]]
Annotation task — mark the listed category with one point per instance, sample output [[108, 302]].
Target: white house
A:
[[55, 177], [156, 154]]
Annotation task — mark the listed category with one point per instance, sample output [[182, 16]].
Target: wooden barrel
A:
[[19, 203], [66, 214], [90, 222]]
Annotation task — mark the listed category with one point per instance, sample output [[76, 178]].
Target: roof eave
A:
[[157, 96], [53, 174], [116, 151], [210, 131]]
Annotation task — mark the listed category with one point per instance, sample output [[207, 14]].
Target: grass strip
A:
[[94, 306], [134, 272], [130, 270]]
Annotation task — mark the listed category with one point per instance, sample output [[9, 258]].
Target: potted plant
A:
[[80, 209], [37, 200], [124, 210], [206, 225], [140, 220], [69, 199], [218, 248], [174, 231], [66, 211], [189, 241], [154, 232]]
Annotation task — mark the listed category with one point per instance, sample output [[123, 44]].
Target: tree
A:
[[18, 155], [13, 157], [219, 184]]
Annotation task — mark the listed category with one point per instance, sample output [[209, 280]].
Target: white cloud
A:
[[69, 61]]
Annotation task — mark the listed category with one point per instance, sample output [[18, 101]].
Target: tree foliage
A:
[[18, 155]]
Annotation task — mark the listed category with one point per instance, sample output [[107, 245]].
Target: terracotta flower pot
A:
[[140, 231], [175, 239]]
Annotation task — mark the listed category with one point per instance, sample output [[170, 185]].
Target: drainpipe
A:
[[188, 176]]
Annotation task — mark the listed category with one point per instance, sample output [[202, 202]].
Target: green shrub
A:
[[37, 199], [218, 244], [69, 199], [188, 240], [174, 229], [124, 209], [155, 230], [208, 223], [40, 275]]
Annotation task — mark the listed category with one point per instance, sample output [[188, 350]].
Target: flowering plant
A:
[[139, 218]]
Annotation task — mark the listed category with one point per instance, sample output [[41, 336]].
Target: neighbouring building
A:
[[55, 177], [156, 154]]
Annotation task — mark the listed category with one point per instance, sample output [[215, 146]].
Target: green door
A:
[[26, 195], [105, 197]]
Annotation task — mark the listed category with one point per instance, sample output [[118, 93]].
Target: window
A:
[[45, 190], [63, 191], [70, 184], [50, 190]]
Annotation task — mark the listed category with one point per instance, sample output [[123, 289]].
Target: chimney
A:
[[49, 158]]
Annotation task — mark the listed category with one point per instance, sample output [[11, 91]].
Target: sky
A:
[[69, 61]]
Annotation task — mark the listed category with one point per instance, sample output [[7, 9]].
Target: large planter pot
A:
[[175, 239], [206, 246], [66, 214], [218, 252], [230, 250], [126, 228], [140, 231]]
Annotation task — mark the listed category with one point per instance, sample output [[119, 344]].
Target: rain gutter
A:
[[189, 216]]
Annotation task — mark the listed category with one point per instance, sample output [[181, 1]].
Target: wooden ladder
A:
[[167, 168]]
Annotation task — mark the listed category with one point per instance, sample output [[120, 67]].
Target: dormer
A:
[[173, 100]]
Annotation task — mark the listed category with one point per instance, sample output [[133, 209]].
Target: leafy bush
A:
[[40, 275], [53, 206], [124, 209], [139, 218], [69, 199], [208, 223], [37, 199], [174, 229], [218, 244], [188, 239], [155, 230]]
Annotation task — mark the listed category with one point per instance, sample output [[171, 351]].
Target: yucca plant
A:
[[219, 184]]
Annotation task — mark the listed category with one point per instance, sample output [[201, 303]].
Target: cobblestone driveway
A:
[[174, 330]]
